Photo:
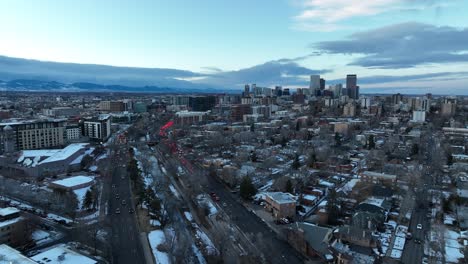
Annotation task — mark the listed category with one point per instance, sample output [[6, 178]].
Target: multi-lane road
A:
[[125, 239]]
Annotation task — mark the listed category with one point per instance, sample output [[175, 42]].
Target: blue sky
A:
[[330, 36]]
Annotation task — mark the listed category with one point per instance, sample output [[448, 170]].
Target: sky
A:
[[419, 45]]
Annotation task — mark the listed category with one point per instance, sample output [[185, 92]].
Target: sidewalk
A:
[[146, 248]]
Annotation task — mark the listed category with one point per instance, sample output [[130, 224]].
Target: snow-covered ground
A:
[[157, 238], [453, 249], [59, 218], [41, 237], [188, 216], [80, 196], [208, 245], [204, 199], [174, 191]]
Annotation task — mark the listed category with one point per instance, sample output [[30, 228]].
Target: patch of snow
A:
[[157, 238], [188, 216]]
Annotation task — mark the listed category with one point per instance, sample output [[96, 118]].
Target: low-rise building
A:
[[280, 204], [14, 230], [377, 177], [62, 254], [9, 255], [72, 183], [34, 163]]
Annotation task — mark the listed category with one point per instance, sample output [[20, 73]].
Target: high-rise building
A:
[[278, 90], [314, 84], [337, 89], [34, 134], [351, 86], [397, 98], [322, 84], [449, 107], [97, 128], [349, 110]]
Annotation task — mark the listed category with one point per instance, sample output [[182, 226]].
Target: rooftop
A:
[[282, 198], [73, 181], [9, 255], [41, 156], [61, 254], [8, 211]]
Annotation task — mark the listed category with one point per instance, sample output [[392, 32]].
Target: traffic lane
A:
[[414, 252], [280, 251], [125, 243]]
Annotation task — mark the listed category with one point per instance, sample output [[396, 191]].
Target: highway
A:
[[125, 238]]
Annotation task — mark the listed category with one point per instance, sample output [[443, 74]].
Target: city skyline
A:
[[228, 45]]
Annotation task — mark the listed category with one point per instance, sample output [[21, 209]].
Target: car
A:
[[417, 241], [419, 226], [123, 177], [224, 204], [117, 211], [409, 236], [117, 196], [131, 210], [113, 185], [124, 202], [216, 198]]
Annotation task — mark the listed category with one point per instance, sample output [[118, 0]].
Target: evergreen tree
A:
[[337, 139], [296, 163], [312, 159], [247, 189], [88, 200], [253, 156], [289, 186], [449, 159], [371, 144], [415, 149], [332, 207], [155, 206]]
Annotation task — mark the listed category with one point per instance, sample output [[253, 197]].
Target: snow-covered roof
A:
[[10, 255], [11, 221], [73, 181], [374, 201], [41, 156], [8, 211], [310, 197], [61, 254], [281, 197]]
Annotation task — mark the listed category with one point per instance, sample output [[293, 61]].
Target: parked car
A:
[[419, 226], [117, 211]]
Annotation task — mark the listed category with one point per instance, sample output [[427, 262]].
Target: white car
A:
[[419, 226]]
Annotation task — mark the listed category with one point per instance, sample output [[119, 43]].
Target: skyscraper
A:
[[351, 86], [314, 84], [322, 84]]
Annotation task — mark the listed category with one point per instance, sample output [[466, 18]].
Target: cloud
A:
[[278, 72], [328, 15], [300, 58], [402, 46], [211, 69], [436, 83]]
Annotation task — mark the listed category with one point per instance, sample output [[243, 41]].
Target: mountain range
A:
[[26, 74]]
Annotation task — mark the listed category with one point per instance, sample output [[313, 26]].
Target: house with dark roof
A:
[[311, 240]]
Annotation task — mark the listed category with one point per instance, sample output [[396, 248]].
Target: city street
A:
[[125, 238], [414, 251]]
